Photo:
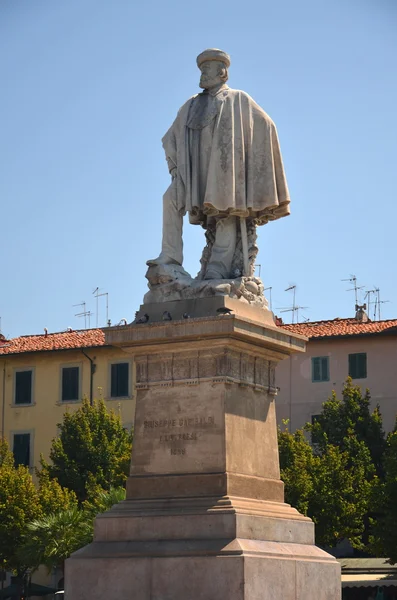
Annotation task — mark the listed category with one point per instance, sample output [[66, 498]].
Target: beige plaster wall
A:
[[299, 398], [41, 418]]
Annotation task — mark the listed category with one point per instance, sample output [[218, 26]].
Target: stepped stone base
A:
[[205, 516]]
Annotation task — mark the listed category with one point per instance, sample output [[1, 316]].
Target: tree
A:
[[53, 538], [20, 503], [384, 523], [352, 413], [340, 500], [92, 446], [100, 500], [296, 466], [332, 486]]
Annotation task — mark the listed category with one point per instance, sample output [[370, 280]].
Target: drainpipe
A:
[[92, 371]]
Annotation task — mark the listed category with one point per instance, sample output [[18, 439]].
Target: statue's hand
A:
[[173, 172]]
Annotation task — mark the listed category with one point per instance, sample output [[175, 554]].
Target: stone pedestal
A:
[[205, 516]]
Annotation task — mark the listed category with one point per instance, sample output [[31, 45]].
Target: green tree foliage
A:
[[20, 503], [332, 486], [100, 500], [53, 538], [384, 524], [296, 464], [342, 483], [92, 446], [351, 415]]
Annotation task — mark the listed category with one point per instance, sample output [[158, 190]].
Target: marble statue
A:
[[227, 173]]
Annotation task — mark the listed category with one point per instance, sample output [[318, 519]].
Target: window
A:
[[119, 380], [320, 368], [23, 386], [358, 365], [21, 449], [315, 418], [70, 384]]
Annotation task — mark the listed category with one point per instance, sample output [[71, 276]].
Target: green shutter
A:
[[316, 369], [320, 368], [70, 384], [325, 368], [23, 387], [21, 449], [119, 384], [358, 365]]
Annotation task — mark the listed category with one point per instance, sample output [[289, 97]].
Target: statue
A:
[[227, 173]]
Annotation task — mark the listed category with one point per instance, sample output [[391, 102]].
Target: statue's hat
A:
[[213, 54]]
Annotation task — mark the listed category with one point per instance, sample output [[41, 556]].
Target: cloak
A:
[[244, 172]]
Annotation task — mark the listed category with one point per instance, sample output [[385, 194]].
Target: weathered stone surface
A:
[[194, 308], [169, 283], [204, 516]]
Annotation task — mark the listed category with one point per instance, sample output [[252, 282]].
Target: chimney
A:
[[361, 315]]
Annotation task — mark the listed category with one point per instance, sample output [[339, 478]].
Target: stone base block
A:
[[236, 569]]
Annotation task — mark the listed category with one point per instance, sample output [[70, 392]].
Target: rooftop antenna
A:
[[98, 295], [369, 302], [85, 313], [270, 296], [294, 309], [353, 280], [378, 302]]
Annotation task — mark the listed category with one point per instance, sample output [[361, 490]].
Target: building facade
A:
[[365, 350], [43, 376]]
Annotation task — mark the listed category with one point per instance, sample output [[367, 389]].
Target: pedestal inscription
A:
[[178, 430]]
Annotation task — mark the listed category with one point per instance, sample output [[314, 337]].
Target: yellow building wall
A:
[[41, 418]]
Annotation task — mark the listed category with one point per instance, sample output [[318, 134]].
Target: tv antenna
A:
[[97, 296], [84, 313], [294, 309], [353, 280], [377, 302]]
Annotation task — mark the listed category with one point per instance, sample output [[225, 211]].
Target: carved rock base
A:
[[169, 283], [204, 517]]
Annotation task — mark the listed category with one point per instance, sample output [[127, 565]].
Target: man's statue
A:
[[224, 158]]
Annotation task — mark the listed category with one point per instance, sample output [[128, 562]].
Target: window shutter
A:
[[113, 378], [352, 364], [325, 368], [119, 385], [70, 383], [358, 365], [316, 373], [21, 449], [23, 387], [362, 365]]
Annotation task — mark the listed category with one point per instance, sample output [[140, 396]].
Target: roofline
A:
[[340, 336], [53, 350]]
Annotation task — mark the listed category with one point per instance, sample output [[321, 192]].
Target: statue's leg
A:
[[223, 249], [172, 245]]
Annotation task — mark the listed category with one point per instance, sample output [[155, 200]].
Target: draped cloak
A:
[[228, 159]]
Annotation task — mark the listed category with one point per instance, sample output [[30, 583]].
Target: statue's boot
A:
[[163, 259], [172, 245], [223, 250]]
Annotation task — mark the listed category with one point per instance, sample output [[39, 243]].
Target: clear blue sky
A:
[[88, 88]]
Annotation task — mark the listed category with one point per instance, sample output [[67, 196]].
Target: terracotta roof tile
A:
[[342, 327], [54, 341]]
